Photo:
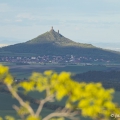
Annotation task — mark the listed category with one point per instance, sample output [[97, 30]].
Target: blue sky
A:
[[84, 21]]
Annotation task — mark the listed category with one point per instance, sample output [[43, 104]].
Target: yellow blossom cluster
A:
[[91, 99]]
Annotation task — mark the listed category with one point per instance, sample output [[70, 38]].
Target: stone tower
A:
[[52, 28]]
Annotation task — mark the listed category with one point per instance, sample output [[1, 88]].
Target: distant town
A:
[[68, 59]]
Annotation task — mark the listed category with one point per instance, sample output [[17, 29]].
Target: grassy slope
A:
[[58, 39]]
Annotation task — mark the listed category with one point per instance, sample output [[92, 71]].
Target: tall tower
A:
[[58, 31], [52, 28]]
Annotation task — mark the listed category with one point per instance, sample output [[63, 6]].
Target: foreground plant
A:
[[82, 99]]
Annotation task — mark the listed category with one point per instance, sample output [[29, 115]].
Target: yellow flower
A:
[[1, 118], [8, 80], [28, 86], [33, 118], [48, 72], [9, 118], [3, 69]]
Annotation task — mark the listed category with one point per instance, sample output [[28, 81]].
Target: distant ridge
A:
[[53, 43]]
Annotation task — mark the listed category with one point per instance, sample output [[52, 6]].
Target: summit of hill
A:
[[56, 38]]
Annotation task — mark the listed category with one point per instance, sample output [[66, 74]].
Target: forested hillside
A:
[[108, 79]]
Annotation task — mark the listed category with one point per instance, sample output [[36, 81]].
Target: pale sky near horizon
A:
[[85, 21]]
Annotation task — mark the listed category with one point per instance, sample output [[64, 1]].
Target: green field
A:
[[24, 71]]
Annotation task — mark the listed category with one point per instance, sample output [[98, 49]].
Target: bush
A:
[[89, 100]]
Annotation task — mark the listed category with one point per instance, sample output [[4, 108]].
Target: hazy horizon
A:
[[94, 22]]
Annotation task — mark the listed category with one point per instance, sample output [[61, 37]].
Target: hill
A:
[[109, 79], [53, 43], [55, 38]]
